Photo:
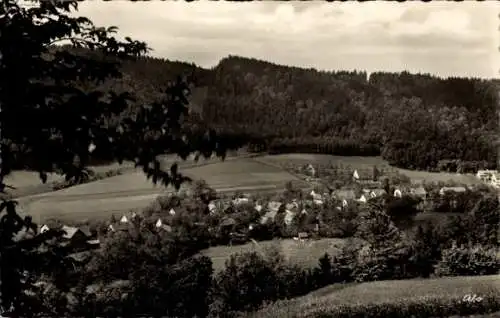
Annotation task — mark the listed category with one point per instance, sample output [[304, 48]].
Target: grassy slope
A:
[[117, 195], [305, 254], [383, 292], [367, 163]]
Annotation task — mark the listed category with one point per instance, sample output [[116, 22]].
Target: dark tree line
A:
[[414, 121]]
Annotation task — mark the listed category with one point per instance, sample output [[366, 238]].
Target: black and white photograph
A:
[[253, 159]]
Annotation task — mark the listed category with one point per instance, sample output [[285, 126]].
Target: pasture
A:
[[132, 191], [362, 163], [305, 254], [28, 182], [380, 292]]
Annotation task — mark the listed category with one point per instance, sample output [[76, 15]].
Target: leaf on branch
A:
[[174, 170]]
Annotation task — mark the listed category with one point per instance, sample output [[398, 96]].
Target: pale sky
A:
[[442, 38]]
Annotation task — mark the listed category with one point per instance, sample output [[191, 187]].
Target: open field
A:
[[367, 163], [119, 194], [380, 292], [28, 182], [305, 254]]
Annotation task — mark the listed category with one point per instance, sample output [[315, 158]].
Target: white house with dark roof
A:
[[485, 175], [212, 207], [363, 199], [44, 228], [495, 179]]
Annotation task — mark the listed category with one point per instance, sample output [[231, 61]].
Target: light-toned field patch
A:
[[132, 191], [356, 162], [304, 254], [242, 173], [385, 292]]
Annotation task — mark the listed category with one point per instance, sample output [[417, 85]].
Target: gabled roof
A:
[[292, 205], [378, 192], [94, 242], [274, 205], [70, 231], [452, 189], [43, 228], [159, 223], [363, 174], [86, 230]]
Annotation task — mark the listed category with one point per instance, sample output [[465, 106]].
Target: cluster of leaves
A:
[[56, 91], [468, 261]]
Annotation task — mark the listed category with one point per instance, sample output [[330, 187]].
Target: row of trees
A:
[[165, 265], [412, 120]]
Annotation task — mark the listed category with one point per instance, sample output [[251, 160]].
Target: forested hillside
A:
[[413, 121]]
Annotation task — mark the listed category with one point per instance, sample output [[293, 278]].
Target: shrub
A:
[[468, 261], [423, 307], [247, 281]]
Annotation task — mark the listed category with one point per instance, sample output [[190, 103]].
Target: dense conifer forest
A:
[[415, 121]]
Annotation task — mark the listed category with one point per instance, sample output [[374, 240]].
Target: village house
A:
[[419, 193], [377, 193], [311, 171], [398, 193], [289, 215], [44, 228], [292, 206], [363, 199], [239, 201], [302, 236], [273, 205], [495, 179], [74, 238], [318, 201], [452, 189], [365, 177], [315, 196], [212, 208], [160, 225], [485, 175]]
